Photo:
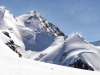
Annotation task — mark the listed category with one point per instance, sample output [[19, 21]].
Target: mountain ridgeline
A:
[[31, 36]]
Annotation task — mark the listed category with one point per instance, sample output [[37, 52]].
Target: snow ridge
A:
[[31, 36]]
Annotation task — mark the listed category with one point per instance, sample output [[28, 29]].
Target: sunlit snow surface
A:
[[36, 42], [19, 66]]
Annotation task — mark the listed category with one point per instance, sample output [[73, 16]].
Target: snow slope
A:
[[4, 49], [31, 36], [19, 66], [67, 51]]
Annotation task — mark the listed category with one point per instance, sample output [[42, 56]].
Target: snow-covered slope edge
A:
[[96, 43], [20, 66]]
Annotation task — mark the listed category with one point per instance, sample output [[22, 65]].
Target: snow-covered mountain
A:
[[73, 51], [31, 36], [96, 43], [38, 23], [30, 31]]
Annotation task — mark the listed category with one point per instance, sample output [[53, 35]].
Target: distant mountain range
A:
[[96, 43]]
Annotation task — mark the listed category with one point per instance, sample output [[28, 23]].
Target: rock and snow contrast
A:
[[29, 44]]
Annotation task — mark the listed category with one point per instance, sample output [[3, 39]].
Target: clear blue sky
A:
[[70, 16]]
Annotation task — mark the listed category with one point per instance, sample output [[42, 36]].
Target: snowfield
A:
[[30, 45], [20, 66]]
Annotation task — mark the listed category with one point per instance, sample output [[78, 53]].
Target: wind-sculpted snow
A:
[[31, 36], [67, 51]]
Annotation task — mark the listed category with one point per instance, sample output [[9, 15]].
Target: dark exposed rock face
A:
[[7, 34], [81, 65], [11, 44], [56, 30]]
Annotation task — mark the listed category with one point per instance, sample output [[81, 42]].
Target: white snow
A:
[[35, 40], [19, 66]]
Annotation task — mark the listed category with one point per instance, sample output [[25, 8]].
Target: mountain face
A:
[[96, 43], [38, 23], [32, 36]]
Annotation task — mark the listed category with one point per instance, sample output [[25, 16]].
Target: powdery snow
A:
[[20, 66], [37, 39]]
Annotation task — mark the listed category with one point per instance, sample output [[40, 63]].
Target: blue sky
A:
[[70, 16]]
